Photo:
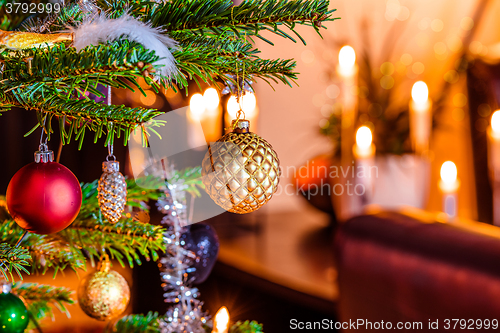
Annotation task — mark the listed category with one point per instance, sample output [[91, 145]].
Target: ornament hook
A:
[[110, 145], [110, 154], [43, 154]]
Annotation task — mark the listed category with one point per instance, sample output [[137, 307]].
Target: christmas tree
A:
[[51, 61]]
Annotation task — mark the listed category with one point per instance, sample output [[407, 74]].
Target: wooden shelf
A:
[[292, 250]]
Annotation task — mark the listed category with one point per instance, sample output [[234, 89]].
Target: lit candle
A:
[[248, 104], [221, 322], [364, 154], [195, 115], [205, 110], [347, 71], [449, 185], [347, 61], [420, 117], [211, 122], [494, 163]]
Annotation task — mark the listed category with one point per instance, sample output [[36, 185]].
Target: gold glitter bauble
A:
[[112, 191], [104, 294], [241, 170]]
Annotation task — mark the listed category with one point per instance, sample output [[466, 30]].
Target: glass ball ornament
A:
[[44, 197], [13, 313], [241, 170], [202, 240], [104, 294]]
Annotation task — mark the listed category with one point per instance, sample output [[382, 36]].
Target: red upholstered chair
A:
[[402, 268]]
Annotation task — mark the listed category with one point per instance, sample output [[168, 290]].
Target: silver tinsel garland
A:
[[186, 314]]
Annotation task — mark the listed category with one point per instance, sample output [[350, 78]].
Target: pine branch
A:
[[65, 70], [246, 327], [113, 121], [224, 44], [208, 64], [45, 251], [248, 19], [57, 73], [138, 324], [13, 260], [125, 240], [41, 299]]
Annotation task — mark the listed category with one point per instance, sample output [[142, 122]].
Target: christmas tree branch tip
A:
[[13, 259], [42, 299], [148, 323]]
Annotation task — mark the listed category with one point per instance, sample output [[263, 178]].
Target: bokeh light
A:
[[364, 137], [347, 57], [197, 105], [211, 98], [420, 92], [449, 172]]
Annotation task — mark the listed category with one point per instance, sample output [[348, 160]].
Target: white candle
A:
[[195, 115], [420, 117], [494, 163], [221, 322], [449, 185], [347, 71], [364, 154], [206, 110], [212, 120]]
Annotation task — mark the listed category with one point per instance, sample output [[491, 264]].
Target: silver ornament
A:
[[112, 191], [243, 85]]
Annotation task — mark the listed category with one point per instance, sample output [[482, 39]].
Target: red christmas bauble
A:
[[44, 198]]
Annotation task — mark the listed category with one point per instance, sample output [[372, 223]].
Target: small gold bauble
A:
[[104, 294], [241, 170]]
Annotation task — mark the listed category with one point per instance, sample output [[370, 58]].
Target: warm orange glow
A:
[[364, 137], [420, 92], [495, 122], [449, 173], [232, 106], [221, 322]]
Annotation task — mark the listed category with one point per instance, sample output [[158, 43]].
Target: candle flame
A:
[[347, 57], [222, 320], [495, 122], [211, 98], [449, 173], [420, 92], [248, 105], [197, 105], [364, 137]]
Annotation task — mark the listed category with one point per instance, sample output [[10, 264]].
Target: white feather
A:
[[101, 29]]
